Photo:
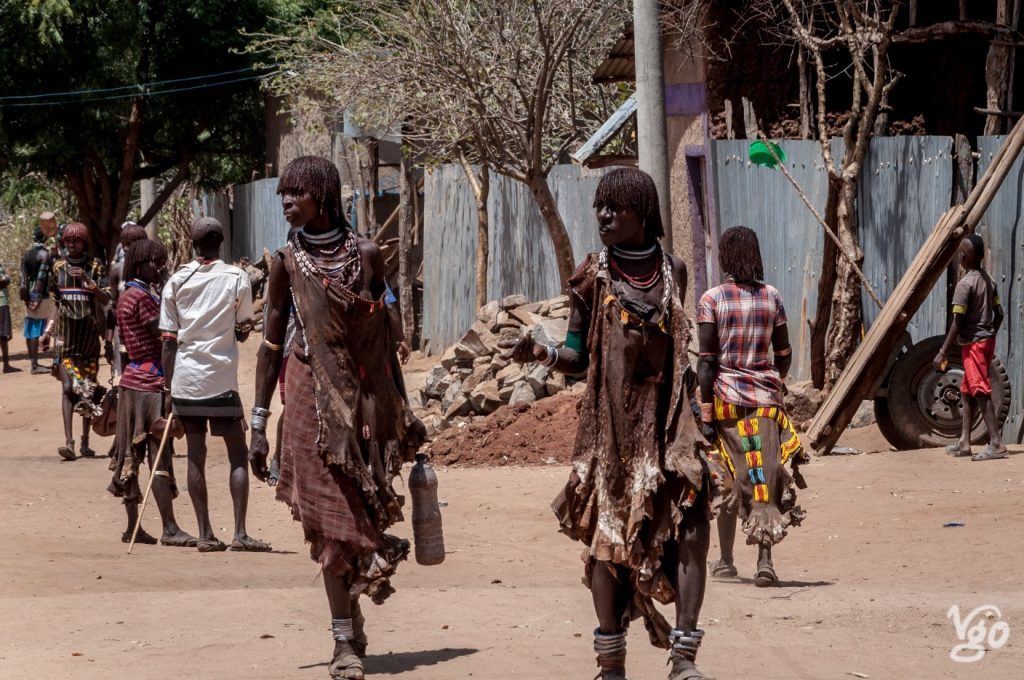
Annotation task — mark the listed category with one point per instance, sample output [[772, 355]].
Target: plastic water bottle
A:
[[426, 514]]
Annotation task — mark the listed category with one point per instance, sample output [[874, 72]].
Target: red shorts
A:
[[977, 358]]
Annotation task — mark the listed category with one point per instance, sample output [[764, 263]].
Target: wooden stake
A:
[[152, 475], [831, 234]]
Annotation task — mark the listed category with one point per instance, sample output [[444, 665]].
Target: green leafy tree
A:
[[135, 89]]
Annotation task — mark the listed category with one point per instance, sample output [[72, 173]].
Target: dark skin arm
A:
[[398, 333], [951, 338], [167, 356], [707, 364], [570, 361], [268, 361], [526, 350], [780, 343]]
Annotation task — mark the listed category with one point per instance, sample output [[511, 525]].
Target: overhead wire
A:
[[119, 88], [133, 95]]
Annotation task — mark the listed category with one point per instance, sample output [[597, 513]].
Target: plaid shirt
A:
[[745, 317]]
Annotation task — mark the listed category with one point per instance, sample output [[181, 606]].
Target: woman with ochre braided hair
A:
[[640, 493], [349, 428], [744, 356]]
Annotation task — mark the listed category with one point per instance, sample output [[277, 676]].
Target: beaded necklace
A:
[[645, 282], [664, 271], [347, 271]]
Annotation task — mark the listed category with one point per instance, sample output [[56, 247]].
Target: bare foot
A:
[[11, 369]]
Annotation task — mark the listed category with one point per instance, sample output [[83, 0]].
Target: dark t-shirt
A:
[[975, 298]]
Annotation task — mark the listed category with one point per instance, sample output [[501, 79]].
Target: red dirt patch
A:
[[532, 434]]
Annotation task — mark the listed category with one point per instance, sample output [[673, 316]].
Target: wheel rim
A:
[[938, 397]]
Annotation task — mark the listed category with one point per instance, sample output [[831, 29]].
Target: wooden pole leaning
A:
[[153, 472]]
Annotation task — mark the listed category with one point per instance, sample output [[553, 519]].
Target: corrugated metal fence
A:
[[257, 220], [521, 254], [906, 185], [1004, 238]]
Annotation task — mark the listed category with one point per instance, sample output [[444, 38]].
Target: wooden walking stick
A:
[[154, 471]]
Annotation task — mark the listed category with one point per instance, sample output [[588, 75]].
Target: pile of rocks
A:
[[474, 380]]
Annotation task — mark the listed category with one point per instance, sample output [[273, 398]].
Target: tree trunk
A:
[[805, 93], [826, 287], [997, 68], [556, 228], [406, 225], [845, 327], [481, 185]]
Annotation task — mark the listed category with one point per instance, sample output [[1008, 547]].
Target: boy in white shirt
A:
[[205, 312]]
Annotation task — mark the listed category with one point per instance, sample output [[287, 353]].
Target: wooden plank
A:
[[867, 365]]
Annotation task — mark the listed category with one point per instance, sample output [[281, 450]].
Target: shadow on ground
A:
[[403, 662]]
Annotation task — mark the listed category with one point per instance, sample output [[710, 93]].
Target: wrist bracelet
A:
[[272, 346], [552, 357], [258, 411]]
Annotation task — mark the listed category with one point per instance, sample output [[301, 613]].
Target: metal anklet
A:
[[341, 629], [685, 644], [610, 649]]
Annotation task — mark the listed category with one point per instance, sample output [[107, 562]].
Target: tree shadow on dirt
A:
[[786, 584], [403, 662]]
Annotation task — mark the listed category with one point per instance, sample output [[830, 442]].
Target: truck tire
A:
[[922, 408]]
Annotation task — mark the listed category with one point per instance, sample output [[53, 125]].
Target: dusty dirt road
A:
[[866, 582]]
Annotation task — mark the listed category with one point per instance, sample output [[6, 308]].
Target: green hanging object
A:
[[761, 155]]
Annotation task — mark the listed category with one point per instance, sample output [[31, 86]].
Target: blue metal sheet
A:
[[791, 239], [1002, 229]]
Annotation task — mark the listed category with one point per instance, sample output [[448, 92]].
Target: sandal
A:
[[685, 669], [722, 569], [180, 540], [990, 454], [250, 544], [345, 665], [142, 539], [205, 545], [955, 450], [765, 577], [67, 452]]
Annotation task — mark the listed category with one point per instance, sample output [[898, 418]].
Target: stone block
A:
[[436, 383], [487, 313], [537, 378], [510, 301], [460, 406], [550, 331], [485, 398], [453, 392], [522, 393]]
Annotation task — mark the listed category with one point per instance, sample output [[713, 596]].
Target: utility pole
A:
[[652, 135], [147, 195]]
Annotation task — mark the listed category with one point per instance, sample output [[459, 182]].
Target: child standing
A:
[[977, 316]]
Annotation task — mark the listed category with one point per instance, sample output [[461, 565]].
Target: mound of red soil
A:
[[530, 434]]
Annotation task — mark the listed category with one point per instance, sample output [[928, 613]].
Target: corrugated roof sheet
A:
[[608, 130], [619, 66]]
